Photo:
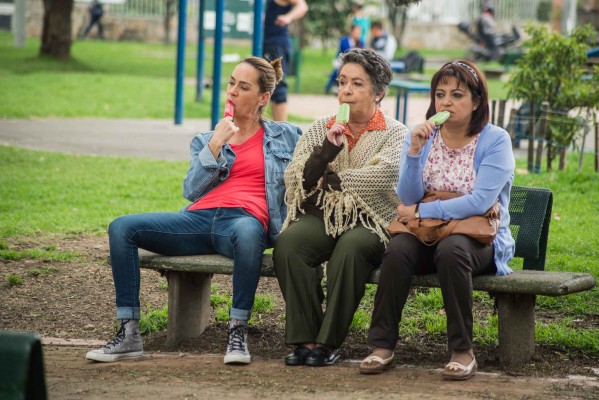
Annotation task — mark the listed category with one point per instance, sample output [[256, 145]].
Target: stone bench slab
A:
[[546, 283]]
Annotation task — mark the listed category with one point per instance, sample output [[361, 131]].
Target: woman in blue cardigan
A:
[[468, 155]]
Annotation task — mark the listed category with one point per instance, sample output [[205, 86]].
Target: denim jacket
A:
[[205, 173]]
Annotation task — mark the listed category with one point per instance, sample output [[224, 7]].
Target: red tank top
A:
[[245, 186]]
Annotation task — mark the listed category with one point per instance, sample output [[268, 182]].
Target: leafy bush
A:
[[552, 71]]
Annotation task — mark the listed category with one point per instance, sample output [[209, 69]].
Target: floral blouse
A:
[[450, 169]]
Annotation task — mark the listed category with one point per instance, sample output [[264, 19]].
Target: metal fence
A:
[[150, 8], [446, 11], [139, 8], [454, 11], [153, 8]]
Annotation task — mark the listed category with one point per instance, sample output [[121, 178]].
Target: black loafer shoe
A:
[[321, 357], [298, 356]]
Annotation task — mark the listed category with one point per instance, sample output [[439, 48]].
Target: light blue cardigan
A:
[[494, 164]]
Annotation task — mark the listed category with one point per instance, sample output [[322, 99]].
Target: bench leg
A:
[[516, 328], [188, 306]]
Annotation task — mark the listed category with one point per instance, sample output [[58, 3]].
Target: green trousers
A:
[[298, 252]]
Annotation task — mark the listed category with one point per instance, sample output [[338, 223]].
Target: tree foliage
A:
[[327, 20], [552, 67], [553, 70]]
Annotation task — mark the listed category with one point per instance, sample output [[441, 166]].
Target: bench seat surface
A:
[[520, 282]]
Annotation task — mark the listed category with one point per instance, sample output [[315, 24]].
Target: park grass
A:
[[136, 80], [45, 193]]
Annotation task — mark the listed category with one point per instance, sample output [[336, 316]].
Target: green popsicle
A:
[[343, 113], [439, 117]]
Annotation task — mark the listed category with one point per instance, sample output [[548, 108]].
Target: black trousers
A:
[[92, 22], [456, 259]]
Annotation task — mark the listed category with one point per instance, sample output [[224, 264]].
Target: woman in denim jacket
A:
[[235, 183]]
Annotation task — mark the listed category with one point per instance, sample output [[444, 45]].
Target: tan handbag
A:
[[431, 231]]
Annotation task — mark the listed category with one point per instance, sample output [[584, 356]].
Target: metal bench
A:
[[404, 87], [530, 211]]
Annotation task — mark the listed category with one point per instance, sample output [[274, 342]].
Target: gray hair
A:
[[376, 66]]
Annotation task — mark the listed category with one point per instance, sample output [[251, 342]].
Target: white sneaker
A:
[[237, 346], [125, 345]]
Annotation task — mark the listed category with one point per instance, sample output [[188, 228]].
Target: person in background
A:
[[96, 11], [467, 155], [340, 193], [382, 42], [362, 20], [277, 43], [235, 185], [486, 28], [346, 43]]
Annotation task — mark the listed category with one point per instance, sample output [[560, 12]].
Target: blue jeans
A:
[[232, 232]]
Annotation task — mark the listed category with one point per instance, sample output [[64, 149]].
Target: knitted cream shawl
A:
[[368, 174]]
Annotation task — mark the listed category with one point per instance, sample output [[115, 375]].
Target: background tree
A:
[[552, 71], [170, 9], [56, 30], [397, 19], [326, 21]]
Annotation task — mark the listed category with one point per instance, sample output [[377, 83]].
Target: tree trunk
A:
[[56, 30], [170, 10], [596, 146], [542, 134], [562, 159], [397, 18], [531, 138]]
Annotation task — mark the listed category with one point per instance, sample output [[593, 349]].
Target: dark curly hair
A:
[[376, 66]]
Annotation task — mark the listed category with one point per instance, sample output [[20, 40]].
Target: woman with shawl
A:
[[340, 198]]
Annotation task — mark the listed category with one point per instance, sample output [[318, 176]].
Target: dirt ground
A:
[[72, 308]]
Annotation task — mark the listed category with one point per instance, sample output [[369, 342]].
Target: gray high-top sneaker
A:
[[237, 345], [125, 345]]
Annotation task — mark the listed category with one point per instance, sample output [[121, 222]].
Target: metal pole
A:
[[596, 146], [201, 53], [218, 56], [258, 32], [19, 24], [180, 72], [531, 138]]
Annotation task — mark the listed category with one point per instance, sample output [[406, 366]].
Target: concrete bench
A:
[[189, 280]]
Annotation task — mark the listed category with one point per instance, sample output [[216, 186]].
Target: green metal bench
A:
[[21, 366], [530, 212]]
